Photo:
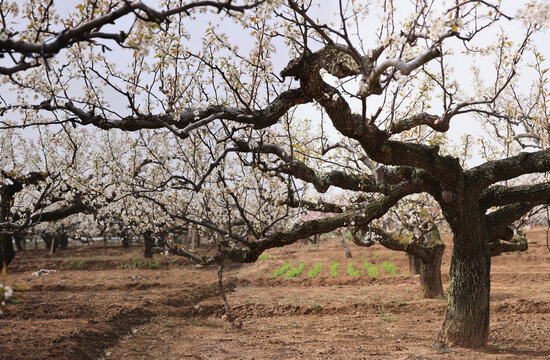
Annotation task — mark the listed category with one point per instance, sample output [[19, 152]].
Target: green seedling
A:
[[297, 271], [314, 271], [351, 270], [334, 268], [281, 271], [139, 263], [371, 268], [389, 267]]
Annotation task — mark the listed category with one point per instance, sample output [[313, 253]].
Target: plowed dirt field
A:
[[102, 303]]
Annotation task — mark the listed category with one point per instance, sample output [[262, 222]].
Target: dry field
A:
[[102, 303]]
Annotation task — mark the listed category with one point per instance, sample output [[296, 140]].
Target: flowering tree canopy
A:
[[41, 180], [361, 101]]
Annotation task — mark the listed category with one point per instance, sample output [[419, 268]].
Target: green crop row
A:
[[373, 270]]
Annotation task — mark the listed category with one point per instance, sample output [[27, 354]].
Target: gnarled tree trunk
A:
[[414, 264], [430, 271], [467, 317]]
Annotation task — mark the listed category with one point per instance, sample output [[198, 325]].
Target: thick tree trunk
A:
[[429, 251], [467, 317], [51, 243], [19, 242], [414, 264], [7, 253], [149, 243], [63, 240], [125, 242], [430, 272]]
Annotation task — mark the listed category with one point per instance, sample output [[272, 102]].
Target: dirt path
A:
[[175, 313]]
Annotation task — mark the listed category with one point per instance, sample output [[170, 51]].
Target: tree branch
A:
[[89, 30], [297, 168], [480, 177]]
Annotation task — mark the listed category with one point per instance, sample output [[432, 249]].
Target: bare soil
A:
[[98, 305]]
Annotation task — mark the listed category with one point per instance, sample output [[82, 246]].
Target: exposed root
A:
[[235, 322]]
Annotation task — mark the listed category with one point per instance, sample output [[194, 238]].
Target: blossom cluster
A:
[[535, 12]]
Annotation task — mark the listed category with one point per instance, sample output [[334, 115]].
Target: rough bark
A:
[[430, 271], [467, 316], [414, 264]]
